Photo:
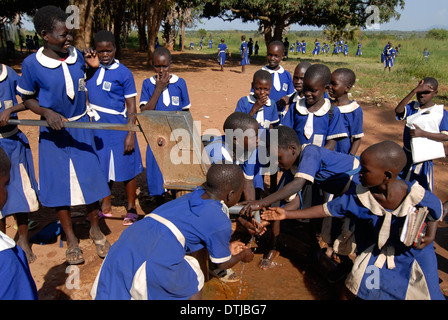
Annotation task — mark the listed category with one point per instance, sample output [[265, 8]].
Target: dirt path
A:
[[213, 96]]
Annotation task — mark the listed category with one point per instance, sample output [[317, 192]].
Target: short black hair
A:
[[5, 163], [303, 65], [262, 75], [277, 43], [104, 36], [286, 136], [224, 177], [433, 82], [162, 51], [319, 72], [47, 16], [240, 120], [348, 75], [389, 155]]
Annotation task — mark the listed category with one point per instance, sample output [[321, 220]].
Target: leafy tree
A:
[[274, 16]]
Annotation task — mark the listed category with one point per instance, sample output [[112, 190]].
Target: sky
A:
[[417, 15]]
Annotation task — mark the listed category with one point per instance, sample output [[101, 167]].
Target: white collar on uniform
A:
[[53, 64], [275, 75], [4, 73], [165, 94], [352, 106], [103, 69], [303, 110], [251, 98], [296, 97], [173, 79]]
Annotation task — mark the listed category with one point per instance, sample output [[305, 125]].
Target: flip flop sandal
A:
[[101, 215], [130, 218], [74, 252], [226, 275], [102, 246]]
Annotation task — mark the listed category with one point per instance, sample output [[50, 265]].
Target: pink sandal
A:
[[130, 218]]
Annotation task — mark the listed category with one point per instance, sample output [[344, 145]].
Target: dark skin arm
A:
[[161, 83], [129, 141], [6, 114], [289, 189], [422, 87], [54, 119]]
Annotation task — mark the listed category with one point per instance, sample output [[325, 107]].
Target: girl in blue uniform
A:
[[385, 268], [17, 281], [342, 80], [244, 50], [222, 51], [316, 120], [258, 104], [286, 117], [303, 47], [346, 49], [150, 260], [424, 119], [282, 86], [359, 51], [162, 92], [111, 94], [70, 174], [22, 186]]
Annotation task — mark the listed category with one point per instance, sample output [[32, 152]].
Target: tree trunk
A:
[[155, 12]]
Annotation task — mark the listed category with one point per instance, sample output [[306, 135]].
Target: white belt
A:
[[77, 117], [92, 111]]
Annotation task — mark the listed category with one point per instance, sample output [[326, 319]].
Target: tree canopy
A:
[[274, 16]]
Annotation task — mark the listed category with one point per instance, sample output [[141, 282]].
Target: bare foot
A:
[[268, 258], [27, 249]]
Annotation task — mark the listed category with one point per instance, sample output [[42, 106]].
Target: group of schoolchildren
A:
[[317, 130]]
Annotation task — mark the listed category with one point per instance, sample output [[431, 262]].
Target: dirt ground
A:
[[213, 96]]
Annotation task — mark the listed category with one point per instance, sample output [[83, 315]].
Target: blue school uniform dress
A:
[[318, 127], [329, 170], [69, 169], [352, 118], [222, 47], [336, 48], [17, 281], [220, 152], [359, 52], [265, 116], [108, 90], [345, 49], [149, 259], [303, 47], [244, 50], [422, 171], [389, 57], [174, 98], [22, 187], [316, 48], [385, 268]]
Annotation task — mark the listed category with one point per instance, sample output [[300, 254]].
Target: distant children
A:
[[150, 260], [389, 56], [303, 47], [316, 49], [244, 54], [70, 174], [426, 124], [359, 51], [258, 104], [385, 268], [342, 80], [345, 49], [316, 120], [22, 187], [222, 51], [331, 171], [162, 92], [112, 94], [426, 54], [17, 281]]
